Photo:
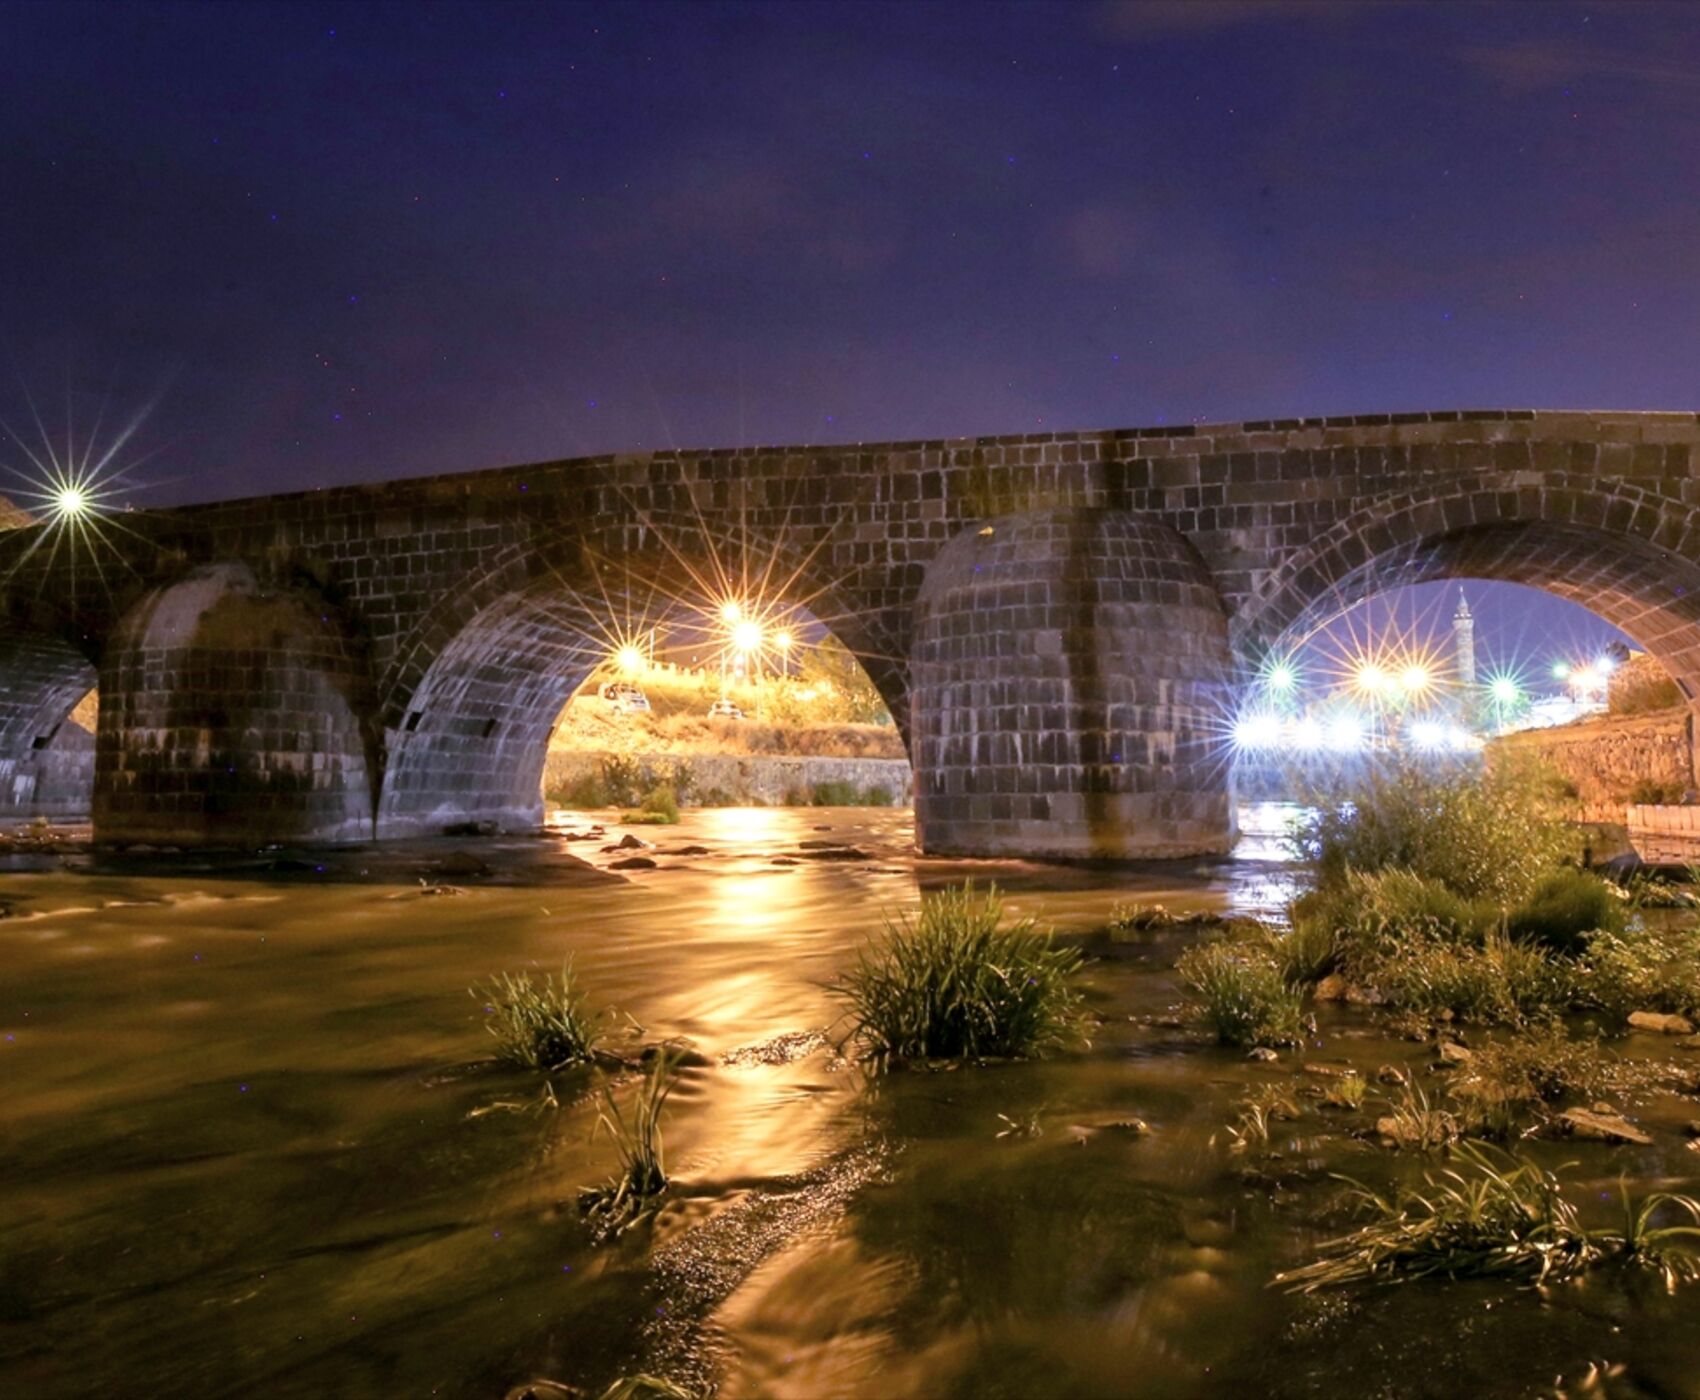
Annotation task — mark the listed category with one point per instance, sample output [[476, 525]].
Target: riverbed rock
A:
[[1391, 1074], [1262, 1052], [632, 863], [1328, 1071], [1692, 1127], [687, 851], [1661, 1023], [1331, 988], [1594, 1126], [1453, 1054], [461, 863], [837, 853], [628, 842]]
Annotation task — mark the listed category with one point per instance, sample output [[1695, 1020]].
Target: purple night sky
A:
[[335, 243]]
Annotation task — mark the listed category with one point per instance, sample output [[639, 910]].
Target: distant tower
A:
[[1464, 641]]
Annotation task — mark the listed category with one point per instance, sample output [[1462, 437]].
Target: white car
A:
[[725, 709], [627, 699]]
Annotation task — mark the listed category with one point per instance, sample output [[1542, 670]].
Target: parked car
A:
[[625, 698], [725, 709]]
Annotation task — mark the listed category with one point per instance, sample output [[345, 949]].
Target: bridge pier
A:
[[1069, 692], [230, 716]]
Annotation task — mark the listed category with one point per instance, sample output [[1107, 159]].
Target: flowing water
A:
[[251, 1144]]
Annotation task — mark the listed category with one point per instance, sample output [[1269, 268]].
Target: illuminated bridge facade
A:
[[1059, 622]]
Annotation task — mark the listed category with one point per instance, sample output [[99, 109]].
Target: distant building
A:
[[1464, 642]]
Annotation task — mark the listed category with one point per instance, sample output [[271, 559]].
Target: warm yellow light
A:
[[1371, 678], [746, 636], [70, 500], [782, 640], [730, 612], [629, 659], [1415, 679]]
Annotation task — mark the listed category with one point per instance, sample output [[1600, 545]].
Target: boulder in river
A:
[[632, 863], [1662, 1023]]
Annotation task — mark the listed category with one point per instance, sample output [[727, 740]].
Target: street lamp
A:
[[70, 502], [1415, 679]]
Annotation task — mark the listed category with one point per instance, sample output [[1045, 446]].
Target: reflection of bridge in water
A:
[[1059, 621]]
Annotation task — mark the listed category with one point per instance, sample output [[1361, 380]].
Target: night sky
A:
[[335, 243]]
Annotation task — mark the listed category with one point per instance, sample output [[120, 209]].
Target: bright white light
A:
[[1560, 670], [1586, 679], [70, 501], [1427, 734], [1503, 690], [782, 640], [730, 612], [1605, 665], [1345, 732], [1370, 678], [1462, 739], [1257, 731], [746, 636], [629, 659], [1281, 677], [1307, 734]]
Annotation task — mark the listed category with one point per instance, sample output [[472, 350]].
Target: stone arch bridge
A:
[[1059, 621]]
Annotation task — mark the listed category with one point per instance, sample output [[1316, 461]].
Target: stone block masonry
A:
[[389, 659]]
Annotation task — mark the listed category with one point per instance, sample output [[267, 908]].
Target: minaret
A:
[[1464, 641]]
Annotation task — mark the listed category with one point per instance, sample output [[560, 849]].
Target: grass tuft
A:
[[537, 1021], [1241, 993], [957, 982], [633, 1191], [1494, 1215]]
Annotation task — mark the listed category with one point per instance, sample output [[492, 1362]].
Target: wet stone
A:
[[632, 863], [1660, 1023], [1594, 1126]]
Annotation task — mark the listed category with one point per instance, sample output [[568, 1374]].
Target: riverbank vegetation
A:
[[959, 981], [1495, 1215], [539, 1021], [636, 1188], [1449, 897]]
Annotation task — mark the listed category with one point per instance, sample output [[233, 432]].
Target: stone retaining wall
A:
[[741, 779], [1606, 759], [1665, 835]]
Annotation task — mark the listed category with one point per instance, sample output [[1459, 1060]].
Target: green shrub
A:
[[1241, 993], [622, 780], [1501, 982], [662, 802], [1647, 793], [537, 1022], [835, 793], [876, 797], [587, 790], [1543, 1065], [1564, 908], [716, 797], [1488, 837], [1642, 969], [957, 981]]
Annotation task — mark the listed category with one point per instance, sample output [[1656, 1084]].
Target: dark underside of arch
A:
[[46, 764]]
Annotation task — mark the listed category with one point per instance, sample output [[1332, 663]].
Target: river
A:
[[251, 1143]]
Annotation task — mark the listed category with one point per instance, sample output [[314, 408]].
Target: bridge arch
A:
[[1622, 552], [234, 712], [478, 687], [46, 756]]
